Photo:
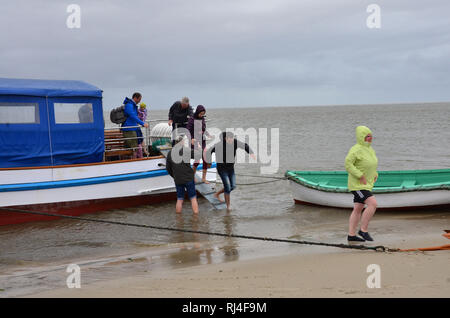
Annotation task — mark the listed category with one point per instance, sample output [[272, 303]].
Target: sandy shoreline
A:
[[337, 274]]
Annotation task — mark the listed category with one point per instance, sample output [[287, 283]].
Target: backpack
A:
[[117, 115]]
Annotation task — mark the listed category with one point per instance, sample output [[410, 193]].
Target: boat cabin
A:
[[50, 123]]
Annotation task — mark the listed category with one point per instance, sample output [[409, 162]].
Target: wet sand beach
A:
[[245, 268], [332, 274]]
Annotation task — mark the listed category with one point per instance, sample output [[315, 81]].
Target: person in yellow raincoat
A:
[[361, 164]]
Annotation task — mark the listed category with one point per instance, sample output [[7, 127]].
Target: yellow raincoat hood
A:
[[361, 133]]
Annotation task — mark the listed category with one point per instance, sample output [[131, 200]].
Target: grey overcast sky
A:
[[235, 53]]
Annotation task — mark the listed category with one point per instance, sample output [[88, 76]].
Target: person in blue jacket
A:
[[129, 127]]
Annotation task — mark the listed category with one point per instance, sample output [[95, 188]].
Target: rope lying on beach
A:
[[432, 248], [421, 249], [357, 247]]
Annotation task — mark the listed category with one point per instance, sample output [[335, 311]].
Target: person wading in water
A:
[[225, 151]]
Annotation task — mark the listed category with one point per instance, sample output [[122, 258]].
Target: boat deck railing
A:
[[115, 148]]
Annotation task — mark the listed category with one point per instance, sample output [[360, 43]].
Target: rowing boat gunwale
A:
[[301, 177]]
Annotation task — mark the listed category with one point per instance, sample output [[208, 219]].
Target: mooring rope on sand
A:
[[260, 238]]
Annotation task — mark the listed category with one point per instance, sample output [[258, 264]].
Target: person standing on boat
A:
[[142, 114], [225, 151], [197, 129], [179, 114], [182, 173], [361, 164], [130, 125]]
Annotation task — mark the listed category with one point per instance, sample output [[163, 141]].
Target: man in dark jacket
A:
[[179, 115], [225, 151], [179, 167]]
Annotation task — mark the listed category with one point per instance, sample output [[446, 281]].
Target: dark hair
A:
[[136, 95], [226, 134]]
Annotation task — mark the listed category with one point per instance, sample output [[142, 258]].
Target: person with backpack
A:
[[129, 126]]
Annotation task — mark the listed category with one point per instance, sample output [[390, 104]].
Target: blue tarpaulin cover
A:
[[47, 88], [47, 141]]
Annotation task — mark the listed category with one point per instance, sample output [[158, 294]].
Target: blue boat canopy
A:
[[47, 88], [50, 123]]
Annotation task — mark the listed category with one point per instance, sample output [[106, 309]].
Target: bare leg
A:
[[194, 205], [354, 218], [368, 213], [195, 169], [227, 201], [179, 206], [219, 193], [144, 149], [204, 176]]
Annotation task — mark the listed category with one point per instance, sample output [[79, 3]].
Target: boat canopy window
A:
[[19, 113], [73, 113]]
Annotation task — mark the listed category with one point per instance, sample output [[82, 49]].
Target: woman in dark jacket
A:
[[197, 128]]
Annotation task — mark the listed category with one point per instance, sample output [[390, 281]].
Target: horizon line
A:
[[317, 105]]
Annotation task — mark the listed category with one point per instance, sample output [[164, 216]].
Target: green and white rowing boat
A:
[[393, 189]]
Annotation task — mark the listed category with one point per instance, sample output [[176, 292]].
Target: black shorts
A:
[[361, 196]]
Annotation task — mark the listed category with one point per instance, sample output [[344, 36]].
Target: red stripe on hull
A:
[[76, 208], [406, 208]]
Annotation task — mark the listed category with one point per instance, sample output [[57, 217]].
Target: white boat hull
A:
[[398, 200], [87, 188]]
